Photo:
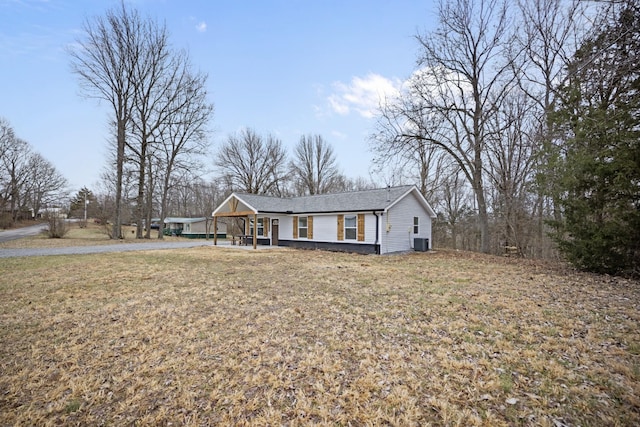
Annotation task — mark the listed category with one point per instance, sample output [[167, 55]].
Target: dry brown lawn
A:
[[214, 336]]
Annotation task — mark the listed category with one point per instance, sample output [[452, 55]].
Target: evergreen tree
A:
[[83, 201], [598, 149]]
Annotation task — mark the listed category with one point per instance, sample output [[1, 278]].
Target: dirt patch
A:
[[211, 336]]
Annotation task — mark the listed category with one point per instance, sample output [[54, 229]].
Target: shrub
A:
[[57, 226]]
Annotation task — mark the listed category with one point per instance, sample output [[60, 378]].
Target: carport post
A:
[[215, 231], [255, 231]]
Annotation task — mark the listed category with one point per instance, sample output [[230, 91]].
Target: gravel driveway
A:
[[117, 247], [123, 247], [19, 233]]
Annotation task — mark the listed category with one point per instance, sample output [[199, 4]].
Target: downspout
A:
[[377, 243]]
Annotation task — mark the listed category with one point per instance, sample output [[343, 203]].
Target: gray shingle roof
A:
[[356, 201]]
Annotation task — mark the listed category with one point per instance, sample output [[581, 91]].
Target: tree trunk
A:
[[483, 217], [163, 204], [117, 222], [454, 236], [141, 182], [149, 201]]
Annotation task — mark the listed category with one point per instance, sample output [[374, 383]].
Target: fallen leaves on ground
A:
[[209, 336]]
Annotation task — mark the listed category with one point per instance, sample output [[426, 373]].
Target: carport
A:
[[233, 208]]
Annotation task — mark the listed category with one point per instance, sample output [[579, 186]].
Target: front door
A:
[[274, 232]]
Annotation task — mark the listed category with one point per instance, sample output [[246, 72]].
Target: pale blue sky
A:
[[286, 67]]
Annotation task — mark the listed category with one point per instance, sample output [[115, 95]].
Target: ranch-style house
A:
[[379, 221]]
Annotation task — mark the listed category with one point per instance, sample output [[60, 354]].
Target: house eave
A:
[[336, 211]]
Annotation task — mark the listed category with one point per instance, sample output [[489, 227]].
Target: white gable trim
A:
[[224, 204], [420, 198]]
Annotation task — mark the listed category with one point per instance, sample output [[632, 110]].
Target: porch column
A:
[[255, 231], [215, 229]]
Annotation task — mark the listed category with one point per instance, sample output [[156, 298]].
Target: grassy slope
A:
[[210, 335]]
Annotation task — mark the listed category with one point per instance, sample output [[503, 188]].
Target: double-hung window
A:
[[260, 229], [303, 227], [416, 225], [350, 227]]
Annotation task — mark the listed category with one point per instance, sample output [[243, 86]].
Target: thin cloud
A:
[[200, 26], [364, 95]]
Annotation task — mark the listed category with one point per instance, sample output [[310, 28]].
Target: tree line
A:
[[29, 183], [246, 162], [521, 124]]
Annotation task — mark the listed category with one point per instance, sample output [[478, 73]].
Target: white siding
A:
[[198, 227], [329, 230], [285, 228], [325, 228], [400, 219]]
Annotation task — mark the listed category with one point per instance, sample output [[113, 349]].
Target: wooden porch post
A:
[[255, 231], [215, 231]]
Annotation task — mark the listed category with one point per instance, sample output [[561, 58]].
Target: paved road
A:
[[19, 233]]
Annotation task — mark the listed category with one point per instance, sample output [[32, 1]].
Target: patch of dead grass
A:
[[209, 336]]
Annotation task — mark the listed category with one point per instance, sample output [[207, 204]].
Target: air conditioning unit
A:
[[421, 244]]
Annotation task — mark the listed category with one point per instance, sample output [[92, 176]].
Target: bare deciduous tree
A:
[[164, 87], [183, 137], [7, 139], [152, 79], [28, 181], [510, 168], [410, 159], [251, 163], [454, 204], [463, 76], [314, 168], [128, 62], [14, 173], [105, 61], [551, 31], [45, 186]]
